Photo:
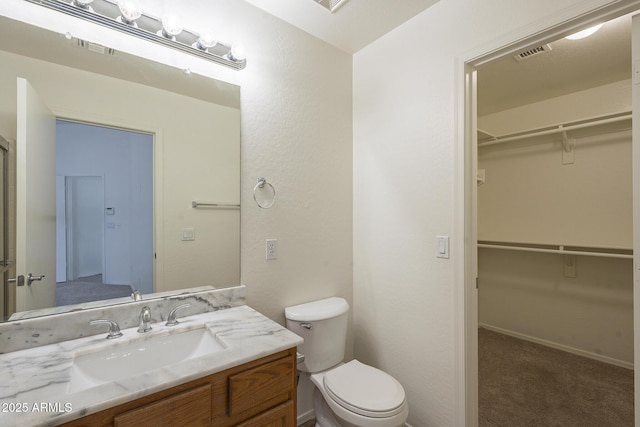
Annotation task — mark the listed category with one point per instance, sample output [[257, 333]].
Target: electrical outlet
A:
[[271, 249]]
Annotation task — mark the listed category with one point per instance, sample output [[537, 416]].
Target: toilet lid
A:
[[365, 390]]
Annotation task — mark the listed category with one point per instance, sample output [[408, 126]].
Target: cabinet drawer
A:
[[189, 408], [280, 416], [272, 381]]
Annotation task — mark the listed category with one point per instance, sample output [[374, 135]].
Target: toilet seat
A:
[[365, 390]]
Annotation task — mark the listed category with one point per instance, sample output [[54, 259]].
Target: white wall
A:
[[530, 196], [406, 174], [527, 295]]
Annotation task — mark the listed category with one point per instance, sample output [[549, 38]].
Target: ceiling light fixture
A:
[[332, 5], [127, 17], [584, 33]]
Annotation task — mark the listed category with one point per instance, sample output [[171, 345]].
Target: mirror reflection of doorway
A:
[[104, 186], [84, 197]]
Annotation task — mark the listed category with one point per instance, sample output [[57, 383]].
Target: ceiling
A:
[[352, 26], [571, 65]]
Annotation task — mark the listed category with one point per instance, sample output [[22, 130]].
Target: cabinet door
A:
[[272, 382], [190, 408], [280, 416]]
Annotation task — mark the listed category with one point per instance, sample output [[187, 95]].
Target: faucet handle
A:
[[114, 329], [171, 320]]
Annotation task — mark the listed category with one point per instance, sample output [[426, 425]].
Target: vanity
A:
[[227, 366]]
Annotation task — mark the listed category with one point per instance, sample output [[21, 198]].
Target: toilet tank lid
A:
[[317, 310]]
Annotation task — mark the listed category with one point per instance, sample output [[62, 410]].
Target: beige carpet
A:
[[526, 384]]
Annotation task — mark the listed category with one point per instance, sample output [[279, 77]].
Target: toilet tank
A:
[[323, 325]]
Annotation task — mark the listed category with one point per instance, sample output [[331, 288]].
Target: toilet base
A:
[[324, 416]]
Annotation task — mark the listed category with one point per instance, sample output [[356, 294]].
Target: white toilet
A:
[[347, 394]]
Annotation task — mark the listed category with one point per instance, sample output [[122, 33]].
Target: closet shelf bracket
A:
[[567, 147]]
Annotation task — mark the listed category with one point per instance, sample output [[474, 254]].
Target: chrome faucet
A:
[[145, 320], [171, 320], [114, 329]]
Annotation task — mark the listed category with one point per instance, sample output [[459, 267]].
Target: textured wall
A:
[[296, 131], [405, 177]]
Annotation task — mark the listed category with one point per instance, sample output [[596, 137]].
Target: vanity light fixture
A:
[[127, 17], [584, 33]]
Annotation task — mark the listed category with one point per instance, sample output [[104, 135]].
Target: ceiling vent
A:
[[95, 47], [332, 5], [535, 51]]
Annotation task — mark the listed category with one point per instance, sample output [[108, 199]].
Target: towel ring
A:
[[261, 183]]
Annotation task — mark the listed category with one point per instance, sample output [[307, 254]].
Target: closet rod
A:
[[559, 129], [560, 250]]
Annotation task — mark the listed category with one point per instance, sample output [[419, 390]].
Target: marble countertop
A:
[[34, 383]]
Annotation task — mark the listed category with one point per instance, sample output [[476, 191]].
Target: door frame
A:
[[114, 121], [579, 16]]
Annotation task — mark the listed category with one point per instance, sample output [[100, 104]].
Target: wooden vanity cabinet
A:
[[261, 393]]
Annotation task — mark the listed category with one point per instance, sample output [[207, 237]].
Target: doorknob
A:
[[19, 281], [31, 278]]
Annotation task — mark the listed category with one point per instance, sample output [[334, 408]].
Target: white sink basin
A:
[[131, 358]]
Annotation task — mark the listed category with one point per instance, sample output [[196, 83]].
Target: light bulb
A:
[[171, 26], [584, 33], [205, 41], [129, 10], [83, 4], [237, 52]]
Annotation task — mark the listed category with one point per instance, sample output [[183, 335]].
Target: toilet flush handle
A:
[[306, 325]]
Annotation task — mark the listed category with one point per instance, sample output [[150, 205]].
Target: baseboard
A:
[[303, 418], [572, 350]]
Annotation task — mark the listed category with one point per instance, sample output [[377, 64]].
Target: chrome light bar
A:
[[107, 13]]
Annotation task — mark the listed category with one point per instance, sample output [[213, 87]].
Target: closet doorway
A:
[[554, 228]]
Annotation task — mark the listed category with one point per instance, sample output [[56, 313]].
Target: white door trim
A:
[[578, 16]]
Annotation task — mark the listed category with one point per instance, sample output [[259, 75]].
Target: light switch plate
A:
[[188, 234], [442, 246]]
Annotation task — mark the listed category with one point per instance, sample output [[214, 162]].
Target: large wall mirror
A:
[[123, 146]]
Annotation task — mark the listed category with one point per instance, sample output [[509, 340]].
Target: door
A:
[[35, 201]]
